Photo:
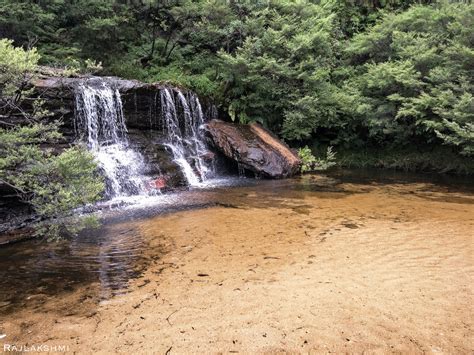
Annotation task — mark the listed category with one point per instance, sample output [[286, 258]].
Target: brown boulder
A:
[[254, 148]]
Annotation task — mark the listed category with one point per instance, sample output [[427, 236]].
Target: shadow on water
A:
[[115, 253], [387, 177], [433, 187], [36, 269]]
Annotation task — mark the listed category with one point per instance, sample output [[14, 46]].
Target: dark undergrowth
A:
[[439, 160]]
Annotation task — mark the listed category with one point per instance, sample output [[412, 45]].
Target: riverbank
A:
[[310, 264]]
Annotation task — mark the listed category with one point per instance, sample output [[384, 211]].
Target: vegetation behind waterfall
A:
[[385, 83]]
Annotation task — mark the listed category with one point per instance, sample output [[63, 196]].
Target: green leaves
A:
[[15, 61], [67, 181], [390, 77], [415, 77], [310, 163], [16, 67], [53, 184], [280, 70]]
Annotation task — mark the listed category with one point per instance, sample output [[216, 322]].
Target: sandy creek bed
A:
[[316, 264]]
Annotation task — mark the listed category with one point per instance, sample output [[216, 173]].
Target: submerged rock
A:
[[254, 148]]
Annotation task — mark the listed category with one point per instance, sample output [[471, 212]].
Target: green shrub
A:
[[310, 163], [53, 184]]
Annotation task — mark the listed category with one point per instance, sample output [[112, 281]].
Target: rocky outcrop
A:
[[141, 101], [253, 148]]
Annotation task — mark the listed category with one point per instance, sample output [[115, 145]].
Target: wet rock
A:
[[159, 160], [254, 148]]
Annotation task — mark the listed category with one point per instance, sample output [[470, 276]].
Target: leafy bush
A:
[[53, 184], [308, 160], [310, 163], [16, 66]]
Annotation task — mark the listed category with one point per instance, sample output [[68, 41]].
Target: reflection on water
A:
[[110, 256], [34, 268]]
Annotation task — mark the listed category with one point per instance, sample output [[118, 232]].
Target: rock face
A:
[[253, 148]]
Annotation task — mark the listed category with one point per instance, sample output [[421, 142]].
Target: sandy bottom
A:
[[372, 268]]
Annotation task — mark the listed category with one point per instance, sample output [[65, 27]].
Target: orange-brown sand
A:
[[375, 269]]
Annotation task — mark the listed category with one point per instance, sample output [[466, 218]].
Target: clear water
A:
[[110, 256]]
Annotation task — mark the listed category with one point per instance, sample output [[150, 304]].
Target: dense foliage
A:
[[53, 184], [374, 75], [412, 78]]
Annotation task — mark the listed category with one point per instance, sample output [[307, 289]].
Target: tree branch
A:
[[13, 186]]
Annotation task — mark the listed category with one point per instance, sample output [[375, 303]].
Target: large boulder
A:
[[253, 148]]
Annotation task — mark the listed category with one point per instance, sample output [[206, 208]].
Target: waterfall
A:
[[100, 123], [182, 118]]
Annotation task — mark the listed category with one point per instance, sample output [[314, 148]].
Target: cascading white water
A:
[[184, 137], [100, 122]]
